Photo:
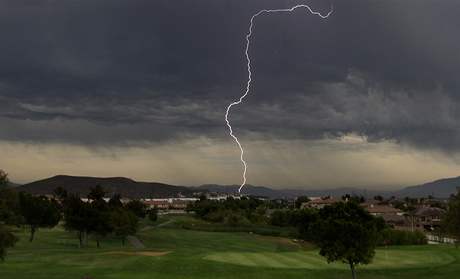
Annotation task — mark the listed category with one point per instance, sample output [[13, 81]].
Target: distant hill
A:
[[11, 184], [114, 185], [442, 188]]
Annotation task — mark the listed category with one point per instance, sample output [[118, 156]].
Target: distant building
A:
[[428, 218], [158, 203], [319, 203], [170, 203], [222, 197], [381, 210], [394, 217]]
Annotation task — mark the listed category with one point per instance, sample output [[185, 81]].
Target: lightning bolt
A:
[[249, 82]]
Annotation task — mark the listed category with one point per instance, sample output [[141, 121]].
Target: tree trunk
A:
[[85, 237], [32, 233], [353, 271], [80, 238]]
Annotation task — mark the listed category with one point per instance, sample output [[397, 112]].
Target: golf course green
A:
[[173, 252]]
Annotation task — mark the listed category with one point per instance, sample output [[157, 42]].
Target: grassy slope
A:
[[198, 254]]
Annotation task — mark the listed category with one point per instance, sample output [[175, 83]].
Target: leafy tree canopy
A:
[[38, 212], [346, 232], [7, 240], [138, 208], [451, 220], [300, 200], [3, 179]]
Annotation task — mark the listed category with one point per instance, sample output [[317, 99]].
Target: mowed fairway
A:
[[173, 252], [391, 259]]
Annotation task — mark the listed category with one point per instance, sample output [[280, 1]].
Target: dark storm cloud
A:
[[127, 71]]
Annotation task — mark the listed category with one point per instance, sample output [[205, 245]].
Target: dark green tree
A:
[[115, 201], [138, 208], [280, 218], [97, 193], [300, 200], [451, 219], [353, 198], [10, 213], [304, 220], [7, 240], [99, 214], [76, 216], [3, 179], [123, 223], [153, 214], [38, 212], [346, 232], [60, 193]]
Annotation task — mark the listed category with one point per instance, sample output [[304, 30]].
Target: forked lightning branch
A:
[[248, 86]]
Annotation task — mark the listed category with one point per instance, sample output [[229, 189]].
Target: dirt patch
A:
[[140, 253]]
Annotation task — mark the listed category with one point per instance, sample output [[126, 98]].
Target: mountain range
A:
[[442, 188]]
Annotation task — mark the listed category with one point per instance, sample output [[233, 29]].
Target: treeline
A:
[[343, 231], [233, 212], [99, 218], [251, 211], [304, 219], [96, 218]]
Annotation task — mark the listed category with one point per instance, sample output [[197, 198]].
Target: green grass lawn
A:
[[202, 254]]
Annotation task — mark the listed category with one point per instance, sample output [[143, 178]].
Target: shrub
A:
[[234, 219], [396, 237]]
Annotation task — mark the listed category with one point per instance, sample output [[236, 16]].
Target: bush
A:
[[153, 214], [216, 216], [280, 218], [395, 237], [234, 219]]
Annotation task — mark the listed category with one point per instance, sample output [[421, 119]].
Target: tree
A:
[[138, 208], [304, 220], [353, 198], [96, 193], [451, 219], [76, 216], [347, 232], [9, 207], [7, 240], [98, 214], [60, 193], [280, 218], [153, 214], [115, 201], [123, 223], [9, 214], [3, 179], [300, 200], [38, 212], [99, 223], [87, 218]]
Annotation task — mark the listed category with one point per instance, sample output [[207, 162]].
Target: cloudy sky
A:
[[138, 88]]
